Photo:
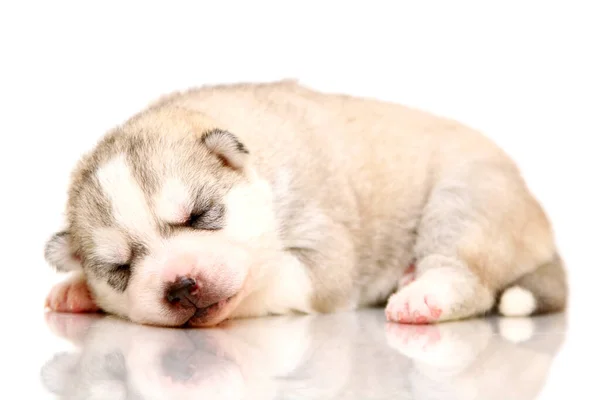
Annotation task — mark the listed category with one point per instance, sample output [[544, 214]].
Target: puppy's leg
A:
[[71, 295], [480, 230], [446, 290]]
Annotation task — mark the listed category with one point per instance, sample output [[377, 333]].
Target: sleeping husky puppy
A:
[[248, 200]]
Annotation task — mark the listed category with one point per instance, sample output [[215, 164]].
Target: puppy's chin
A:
[[216, 313]]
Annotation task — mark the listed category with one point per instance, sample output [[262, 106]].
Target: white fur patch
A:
[[286, 288], [108, 298], [173, 203], [111, 246], [222, 264], [249, 211], [129, 205], [517, 302]]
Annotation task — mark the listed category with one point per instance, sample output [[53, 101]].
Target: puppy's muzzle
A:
[[191, 293]]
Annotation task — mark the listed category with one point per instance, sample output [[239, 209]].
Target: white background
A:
[[524, 73]]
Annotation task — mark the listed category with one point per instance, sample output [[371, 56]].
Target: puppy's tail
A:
[[540, 292]]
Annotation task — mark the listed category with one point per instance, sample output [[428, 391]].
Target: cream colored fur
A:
[[361, 189]]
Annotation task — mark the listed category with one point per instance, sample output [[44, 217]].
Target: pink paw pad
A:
[[411, 312], [72, 297]]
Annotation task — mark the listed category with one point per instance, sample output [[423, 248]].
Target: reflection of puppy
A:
[[474, 360], [249, 200], [119, 360], [277, 357], [344, 355], [242, 361]]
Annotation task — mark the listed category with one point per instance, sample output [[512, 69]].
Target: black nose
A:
[[179, 292]]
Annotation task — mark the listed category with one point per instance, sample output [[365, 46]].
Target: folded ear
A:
[[227, 147], [59, 254]]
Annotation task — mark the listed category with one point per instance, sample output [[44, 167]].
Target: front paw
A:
[[71, 296]]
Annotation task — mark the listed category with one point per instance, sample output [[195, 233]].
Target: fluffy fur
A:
[[275, 198]]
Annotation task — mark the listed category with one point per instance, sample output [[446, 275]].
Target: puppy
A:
[[247, 200]]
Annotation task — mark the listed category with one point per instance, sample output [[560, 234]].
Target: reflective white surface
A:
[[342, 356], [524, 73]]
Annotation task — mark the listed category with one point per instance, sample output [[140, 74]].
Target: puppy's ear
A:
[[59, 254], [227, 147]]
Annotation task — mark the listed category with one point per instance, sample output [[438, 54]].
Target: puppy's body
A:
[[330, 203]]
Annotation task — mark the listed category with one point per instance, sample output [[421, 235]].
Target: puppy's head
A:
[[167, 221]]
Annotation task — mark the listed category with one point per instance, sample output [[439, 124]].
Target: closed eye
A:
[[212, 218], [118, 278], [122, 267], [194, 219]]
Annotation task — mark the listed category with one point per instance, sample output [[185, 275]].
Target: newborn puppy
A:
[[254, 199]]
